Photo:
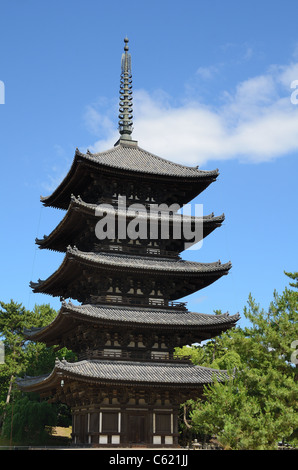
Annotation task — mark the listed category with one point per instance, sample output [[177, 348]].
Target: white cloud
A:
[[206, 73], [98, 122], [256, 123]]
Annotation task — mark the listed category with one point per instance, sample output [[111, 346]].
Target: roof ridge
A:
[[195, 169], [78, 201], [119, 255]]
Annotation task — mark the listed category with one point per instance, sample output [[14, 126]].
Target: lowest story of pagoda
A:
[[121, 311]]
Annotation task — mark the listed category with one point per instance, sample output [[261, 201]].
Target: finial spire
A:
[[125, 105]]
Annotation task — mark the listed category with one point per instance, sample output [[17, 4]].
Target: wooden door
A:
[[83, 423], [137, 430]]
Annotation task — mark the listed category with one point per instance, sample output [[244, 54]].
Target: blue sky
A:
[[212, 87]]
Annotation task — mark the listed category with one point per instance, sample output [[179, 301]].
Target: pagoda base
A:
[[126, 426], [123, 403]]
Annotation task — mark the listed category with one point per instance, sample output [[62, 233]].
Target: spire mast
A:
[[125, 105]]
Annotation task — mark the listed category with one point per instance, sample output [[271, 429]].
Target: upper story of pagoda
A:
[[127, 169], [78, 228]]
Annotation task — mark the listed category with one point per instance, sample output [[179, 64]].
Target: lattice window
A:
[[163, 422], [110, 422]]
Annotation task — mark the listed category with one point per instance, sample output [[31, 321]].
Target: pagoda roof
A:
[[125, 158], [144, 317], [71, 224], [75, 262], [143, 263], [114, 372], [131, 157]]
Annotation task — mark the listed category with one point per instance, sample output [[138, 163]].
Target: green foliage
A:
[[228, 361], [196, 354], [23, 357], [252, 411], [14, 320], [293, 276], [28, 418], [258, 406]]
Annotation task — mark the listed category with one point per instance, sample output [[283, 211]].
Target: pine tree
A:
[[258, 406]]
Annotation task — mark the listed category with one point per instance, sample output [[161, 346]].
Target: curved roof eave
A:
[[129, 263], [148, 165], [135, 316], [150, 215], [123, 372]]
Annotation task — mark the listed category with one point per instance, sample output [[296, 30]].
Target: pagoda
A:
[[121, 311]]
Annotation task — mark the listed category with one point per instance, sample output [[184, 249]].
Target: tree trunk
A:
[[184, 418], [7, 398], [9, 390]]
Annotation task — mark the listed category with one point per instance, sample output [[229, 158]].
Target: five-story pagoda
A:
[[127, 385]]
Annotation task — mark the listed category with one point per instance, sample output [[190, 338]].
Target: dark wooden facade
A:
[[127, 385]]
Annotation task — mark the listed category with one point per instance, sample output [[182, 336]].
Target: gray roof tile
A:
[[147, 263], [136, 316], [145, 373], [147, 316], [136, 159]]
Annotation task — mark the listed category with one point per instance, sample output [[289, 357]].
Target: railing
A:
[[137, 250], [129, 201], [149, 356], [133, 301]]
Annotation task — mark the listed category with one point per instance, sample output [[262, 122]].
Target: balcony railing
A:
[[149, 356], [114, 201], [134, 301], [137, 250]]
